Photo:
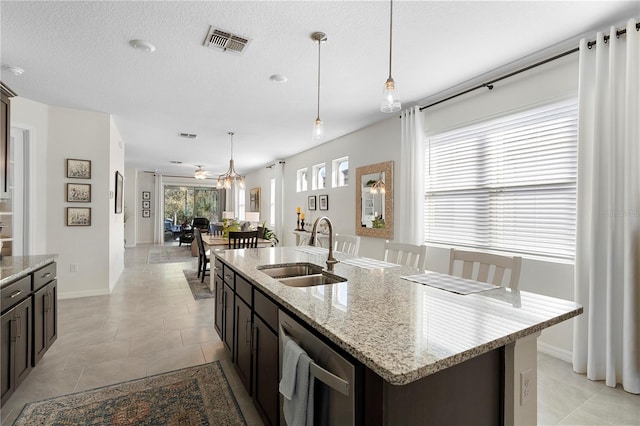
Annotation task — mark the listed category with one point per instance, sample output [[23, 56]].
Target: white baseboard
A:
[[555, 351], [78, 294]]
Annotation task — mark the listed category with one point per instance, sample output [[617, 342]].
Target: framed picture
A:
[[78, 216], [146, 204], [254, 200], [311, 203], [146, 195], [79, 192], [146, 213], [323, 200], [78, 169], [119, 189]]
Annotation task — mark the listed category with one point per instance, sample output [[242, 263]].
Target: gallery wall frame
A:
[[311, 202], [146, 204], [146, 213], [79, 192], [78, 169], [146, 195], [119, 191], [78, 216], [323, 201]]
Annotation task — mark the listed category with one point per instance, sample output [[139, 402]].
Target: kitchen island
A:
[[410, 338]]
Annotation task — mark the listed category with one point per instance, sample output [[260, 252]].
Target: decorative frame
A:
[[146, 195], [79, 192], [78, 169], [78, 216], [254, 200], [119, 190], [146, 213], [146, 204], [387, 231], [311, 202], [323, 201]]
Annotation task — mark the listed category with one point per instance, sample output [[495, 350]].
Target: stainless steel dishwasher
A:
[[334, 400]]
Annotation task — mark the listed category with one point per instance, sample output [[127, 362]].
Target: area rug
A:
[[192, 396], [198, 289], [170, 254]]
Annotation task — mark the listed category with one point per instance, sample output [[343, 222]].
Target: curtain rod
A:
[[489, 85]]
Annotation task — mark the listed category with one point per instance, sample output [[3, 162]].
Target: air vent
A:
[[225, 41], [175, 162], [188, 135]]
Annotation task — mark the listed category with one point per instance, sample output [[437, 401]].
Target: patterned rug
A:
[[198, 289], [170, 254], [192, 396]]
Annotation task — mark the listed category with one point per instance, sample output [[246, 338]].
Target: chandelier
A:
[[390, 102], [200, 173], [378, 187], [227, 179]]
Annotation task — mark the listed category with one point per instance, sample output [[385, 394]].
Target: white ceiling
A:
[[77, 54]]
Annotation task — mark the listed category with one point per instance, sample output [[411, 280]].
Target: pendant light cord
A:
[[318, 115], [390, 33], [231, 134]]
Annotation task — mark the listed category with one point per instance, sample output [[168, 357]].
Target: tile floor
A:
[[151, 324]]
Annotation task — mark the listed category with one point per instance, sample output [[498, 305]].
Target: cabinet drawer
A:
[[267, 310], [218, 265], [15, 292], [228, 276], [44, 275], [243, 289]]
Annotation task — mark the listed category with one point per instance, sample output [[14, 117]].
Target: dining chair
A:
[[349, 244], [243, 239], [405, 254], [485, 267], [204, 256], [216, 229]]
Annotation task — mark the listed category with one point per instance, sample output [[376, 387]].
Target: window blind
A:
[[508, 184]]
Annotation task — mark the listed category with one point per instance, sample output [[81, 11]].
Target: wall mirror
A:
[[374, 200]]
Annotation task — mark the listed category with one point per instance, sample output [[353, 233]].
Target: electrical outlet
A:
[[526, 384], [73, 267]]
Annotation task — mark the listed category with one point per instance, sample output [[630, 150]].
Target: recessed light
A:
[[278, 78], [143, 45], [13, 69]]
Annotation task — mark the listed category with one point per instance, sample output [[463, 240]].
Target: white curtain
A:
[[409, 190], [606, 343]]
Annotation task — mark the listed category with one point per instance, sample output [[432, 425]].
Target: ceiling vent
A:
[[225, 41], [188, 135]]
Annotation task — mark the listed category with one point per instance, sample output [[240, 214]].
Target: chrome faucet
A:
[[330, 259]]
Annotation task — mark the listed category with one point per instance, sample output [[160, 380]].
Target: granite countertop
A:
[[401, 330], [14, 267]]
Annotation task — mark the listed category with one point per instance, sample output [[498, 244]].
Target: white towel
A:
[[296, 385]]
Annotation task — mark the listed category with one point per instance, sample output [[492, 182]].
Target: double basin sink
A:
[[301, 274]]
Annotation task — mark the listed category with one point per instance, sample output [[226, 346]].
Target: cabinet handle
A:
[[47, 275], [15, 294], [14, 330], [247, 331], [46, 302], [18, 327]]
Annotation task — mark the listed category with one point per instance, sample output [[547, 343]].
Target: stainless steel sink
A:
[[300, 274]]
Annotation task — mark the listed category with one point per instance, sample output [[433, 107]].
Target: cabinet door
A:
[[219, 314], [51, 329], [243, 343], [39, 324], [23, 316], [265, 372], [7, 332], [228, 299]]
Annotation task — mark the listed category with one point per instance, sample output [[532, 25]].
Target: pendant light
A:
[[227, 179], [390, 101], [379, 187], [318, 126]]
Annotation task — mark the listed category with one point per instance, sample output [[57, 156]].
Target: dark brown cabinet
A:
[[45, 323], [219, 313], [265, 372], [17, 330], [243, 343], [228, 302]]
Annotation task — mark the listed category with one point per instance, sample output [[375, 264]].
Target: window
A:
[[301, 180], [508, 184], [340, 169], [318, 176], [272, 203], [241, 203]]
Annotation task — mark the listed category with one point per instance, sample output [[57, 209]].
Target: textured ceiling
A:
[[77, 54]]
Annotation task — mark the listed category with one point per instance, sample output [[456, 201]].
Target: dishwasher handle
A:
[[334, 382]]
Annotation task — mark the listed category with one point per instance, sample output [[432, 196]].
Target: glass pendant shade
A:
[[390, 100], [318, 131], [226, 180]]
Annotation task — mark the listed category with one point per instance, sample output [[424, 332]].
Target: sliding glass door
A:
[[183, 203]]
